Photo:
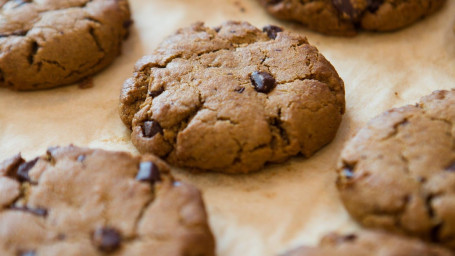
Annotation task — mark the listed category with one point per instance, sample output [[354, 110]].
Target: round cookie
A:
[[398, 172], [80, 201], [371, 243], [346, 17], [232, 98], [50, 43]]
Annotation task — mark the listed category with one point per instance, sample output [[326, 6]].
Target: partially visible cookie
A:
[[44, 44], [79, 201], [232, 98], [370, 243], [398, 172], [346, 17]]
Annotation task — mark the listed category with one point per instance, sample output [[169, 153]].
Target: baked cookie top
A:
[[232, 98], [79, 201], [50, 43], [369, 243], [398, 172], [345, 17]]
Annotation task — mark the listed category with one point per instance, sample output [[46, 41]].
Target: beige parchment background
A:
[[284, 205]]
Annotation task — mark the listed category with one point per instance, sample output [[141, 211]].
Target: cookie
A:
[[45, 44], [80, 201], [346, 17], [398, 172], [232, 98], [369, 243]]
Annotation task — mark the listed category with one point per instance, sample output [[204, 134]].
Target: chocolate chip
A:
[[435, 233], [373, 5], [21, 2], [350, 237], [451, 167], [128, 23], [22, 171], [272, 31], [156, 92], [348, 171], [61, 237], [345, 7], [106, 239], [35, 211], [239, 90], [274, 1], [217, 29], [27, 253], [81, 158], [149, 172], [151, 128], [263, 81]]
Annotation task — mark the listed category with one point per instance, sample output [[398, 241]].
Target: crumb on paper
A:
[[240, 6], [396, 94], [86, 83]]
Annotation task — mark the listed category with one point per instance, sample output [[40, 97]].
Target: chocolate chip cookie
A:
[[44, 44], [398, 172], [370, 243], [79, 201], [346, 17], [232, 98]]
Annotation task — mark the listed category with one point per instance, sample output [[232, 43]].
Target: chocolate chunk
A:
[[27, 253], [22, 171], [239, 90], [348, 172], [272, 31], [263, 81], [81, 158], [373, 5], [451, 167], [107, 239], [149, 172], [35, 211], [350, 237], [151, 128], [21, 2], [128, 23], [156, 92], [347, 9], [274, 1]]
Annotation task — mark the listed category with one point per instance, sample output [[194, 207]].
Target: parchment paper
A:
[[284, 205]]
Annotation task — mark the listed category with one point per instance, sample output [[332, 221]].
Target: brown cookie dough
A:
[[346, 17], [398, 172], [44, 44], [232, 98], [370, 243], [80, 201]]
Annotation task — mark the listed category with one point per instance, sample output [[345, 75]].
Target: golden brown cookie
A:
[[370, 243], [44, 44], [232, 98], [398, 172], [346, 17], [80, 201]]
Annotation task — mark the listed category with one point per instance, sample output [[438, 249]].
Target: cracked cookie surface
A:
[[232, 98], [371, 243], [398, 172], [346, 17], [45, 44], [80, 201]]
